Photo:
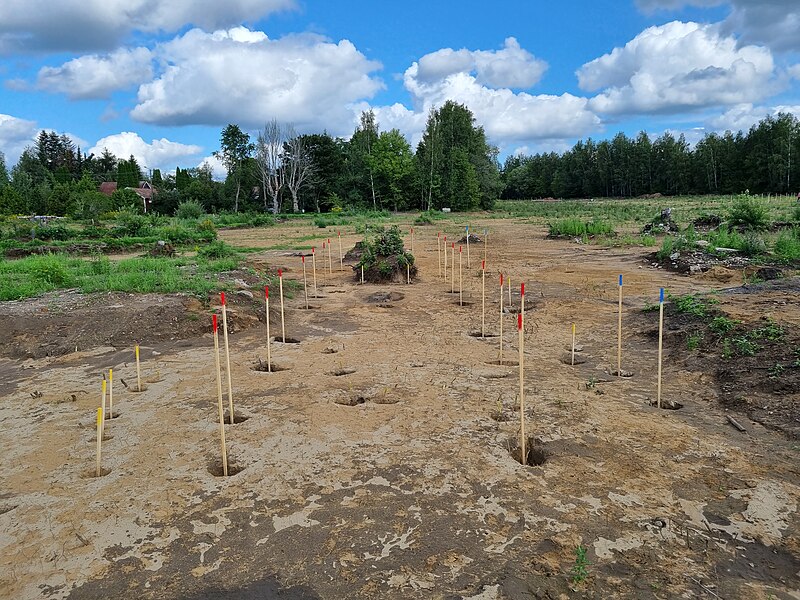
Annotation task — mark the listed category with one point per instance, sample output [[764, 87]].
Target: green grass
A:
[[576, 228], [36, 275]]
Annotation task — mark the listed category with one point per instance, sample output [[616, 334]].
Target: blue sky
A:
[[160, 80]]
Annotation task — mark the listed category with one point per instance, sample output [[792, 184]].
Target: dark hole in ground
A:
[[111, 416], [384, 305], [384, 399], [500, 417], [330, 350], [135, 389], [622, 373], [92, 473], [215, 468], [342, 371], [237, 417], [667, 404], [506, 363], [310, 307], [288, 340], [262, 366], [478, 334], [351, 400], [567, 359], [537, 455], [384, 297], [463, 303], [7, 508]]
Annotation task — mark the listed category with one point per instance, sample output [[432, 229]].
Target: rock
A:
[[241, 284], [703, 243], [727, 250], [675, 256], [695, 269], [245, 293]]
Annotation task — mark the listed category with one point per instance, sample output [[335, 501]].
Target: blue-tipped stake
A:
[[660, 342], [620, 281], [660, 296]]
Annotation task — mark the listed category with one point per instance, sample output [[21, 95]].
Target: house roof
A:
[[108, 187]]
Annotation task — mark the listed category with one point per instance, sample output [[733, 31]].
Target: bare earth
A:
[[373, 465]]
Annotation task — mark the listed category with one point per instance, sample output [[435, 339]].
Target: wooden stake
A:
[[468, 263], [227, 355], [439, 251], [362, 274], [619, 331], [524, 455], [453, 269], [483, 299], [510, 301], [408, 273], [573, 345], [219, 398], [305, 282], [501, 318], [111, 393], [445, 259], [138, 370], [460, 286], [283, 322], [103, 405], [522, 299], [99, 440], [341, 256], [314, 268], [269, 341], [330, 259], [485, 243], [660, 342]]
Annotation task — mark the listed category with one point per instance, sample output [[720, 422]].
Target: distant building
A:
[[145, 191]]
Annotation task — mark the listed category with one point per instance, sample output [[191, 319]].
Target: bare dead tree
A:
[[298, 165], [269, 151]]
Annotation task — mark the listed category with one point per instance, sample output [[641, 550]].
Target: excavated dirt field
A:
[[376, 462]]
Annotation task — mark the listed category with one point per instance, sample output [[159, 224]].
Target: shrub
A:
[[748, 213], [207, 225], [787, 246], [216, 250], [753, 245], [189, 210]]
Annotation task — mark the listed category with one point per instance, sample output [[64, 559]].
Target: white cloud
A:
[[744, 116], [774, 23], [482, 81], [242, 76], [218, 170], [794, 71], [511, 67], [94, 76], [678, 66], [158, 154], [80, 25], [15, 134]]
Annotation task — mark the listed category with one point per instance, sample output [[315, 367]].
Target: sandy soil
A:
[[374, 465]]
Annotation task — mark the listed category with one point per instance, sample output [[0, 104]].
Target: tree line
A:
[[453, 166]]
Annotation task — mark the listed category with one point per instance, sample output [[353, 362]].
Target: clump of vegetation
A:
[[749, 214], [579, 570], [384, 258], [190, 210], [693, 305], [216, 250], [576, 228]]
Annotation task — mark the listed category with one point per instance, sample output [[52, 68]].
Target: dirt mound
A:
[[386, 269], [473, 239], [353, 256], [661, 224], [162, 248]]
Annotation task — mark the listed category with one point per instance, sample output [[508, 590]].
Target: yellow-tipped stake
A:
[[103, 405], [468, 263], [619, 331], [99, 440], [269, 341], [111, 393], [219, 398], [280, 287], [660, 342], [453, 269], [524, 454], [138, 370], [341, 256], [483, 298], [445, 259], [501, 318], [460, 286], [305, 283], [573, 345], [314, 268], [439, 251], [227, 355]]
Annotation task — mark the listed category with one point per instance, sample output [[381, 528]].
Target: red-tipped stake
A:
[[314, 268], [522, 299], [524, 454], [219, 397], [453, 269], [445, 259], [305, 283], [501, 318], [227, 355], [573, 345], [483, 298], [330, 259], [269, 357], [439, 251], [341, 256], [283, 322], [460, 287]]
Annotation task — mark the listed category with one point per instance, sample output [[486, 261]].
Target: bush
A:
[[189, 210], [753, 245], [787, 246], [207, 225], [748, 213], [131, 224], [216, 250]]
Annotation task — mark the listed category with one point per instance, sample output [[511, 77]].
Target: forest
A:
[[277, 170]]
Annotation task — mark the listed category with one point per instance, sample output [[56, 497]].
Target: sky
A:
[[160, 80]]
